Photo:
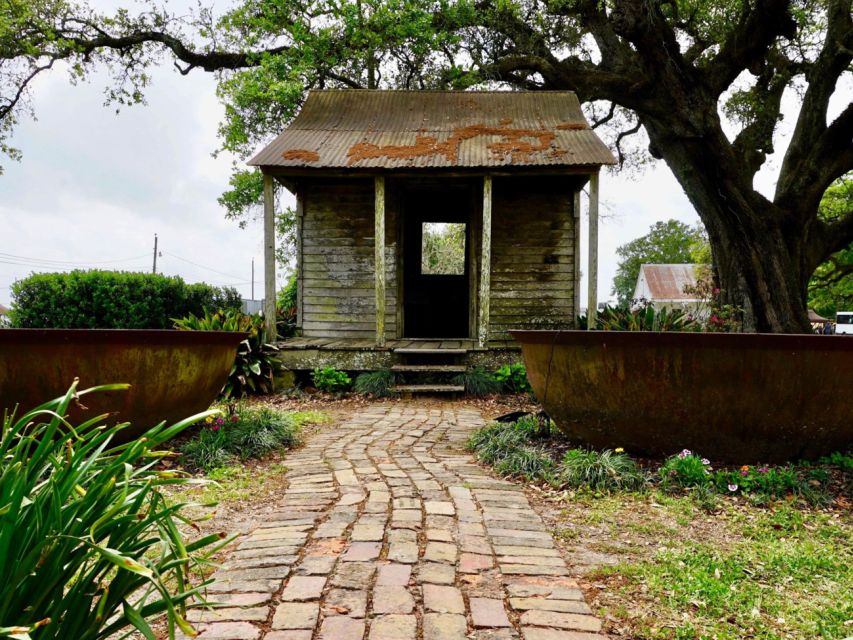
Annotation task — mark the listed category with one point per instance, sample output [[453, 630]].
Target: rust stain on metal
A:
[[306, 155], [519, 144], [505, 121], [572, 126]]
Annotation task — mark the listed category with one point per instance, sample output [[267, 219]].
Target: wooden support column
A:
[[576, 293], [485, 264], [300, 256], [379, 258], [592, 268], [269, 258]]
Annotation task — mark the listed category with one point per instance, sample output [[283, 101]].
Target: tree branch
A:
[[797, 175]]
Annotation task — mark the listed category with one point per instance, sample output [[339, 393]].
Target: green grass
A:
[[760, 573], [235, 483]]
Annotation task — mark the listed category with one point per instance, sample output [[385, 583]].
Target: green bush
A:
[[685, 469], [244, 433], [513, 378], [286, 310], [254, 366], [112, 300], [645, 318], [379, 384], [90, 545], [600, 471], [330, 379], [478, 382]]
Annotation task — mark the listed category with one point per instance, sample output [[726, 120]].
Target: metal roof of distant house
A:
[[357, 129], [4, 311], [667, 281]]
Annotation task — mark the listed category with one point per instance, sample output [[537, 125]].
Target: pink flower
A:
[[733, 488], [235, 418], [763, 469], [684, 453], [744, 473], [220, 421], [716, 291], [215, 427], [705, 461]]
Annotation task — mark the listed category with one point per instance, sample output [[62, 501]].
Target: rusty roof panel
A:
[[354, 129], [667, 281]]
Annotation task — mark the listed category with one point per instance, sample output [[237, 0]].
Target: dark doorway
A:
[[436, 270]]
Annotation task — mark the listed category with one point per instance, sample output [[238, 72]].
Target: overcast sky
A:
[[94, 187]]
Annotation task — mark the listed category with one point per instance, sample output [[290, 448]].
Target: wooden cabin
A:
[[379, 175]]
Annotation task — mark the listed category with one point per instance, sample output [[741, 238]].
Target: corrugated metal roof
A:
[[667, 281], [345, 129]]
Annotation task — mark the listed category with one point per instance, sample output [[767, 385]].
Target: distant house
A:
[[663, 285], [4, 315]]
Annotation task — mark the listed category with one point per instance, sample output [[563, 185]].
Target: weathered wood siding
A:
[[338, 259], [533, 247]]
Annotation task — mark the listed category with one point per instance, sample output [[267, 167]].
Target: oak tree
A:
[[702, 80]]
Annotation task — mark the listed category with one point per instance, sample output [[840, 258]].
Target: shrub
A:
[[685, 469], [645, 318], [600, 471], [507, 447], [376, 383], [254, 367], [245, 432], [91, 546], [477, 382], [286, 308], [513, 378], [330, 379], [112, 300]]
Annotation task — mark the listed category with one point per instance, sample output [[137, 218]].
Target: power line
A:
[[201, 266], [8, 257]]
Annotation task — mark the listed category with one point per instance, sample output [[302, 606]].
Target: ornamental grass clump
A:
[[507, 447], [89, 545], [600, 471]]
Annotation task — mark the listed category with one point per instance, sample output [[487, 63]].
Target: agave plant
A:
[[645, 318], [89, 545], [254, 366]]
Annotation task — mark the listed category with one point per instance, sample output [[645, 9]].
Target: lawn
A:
[[741, 572]]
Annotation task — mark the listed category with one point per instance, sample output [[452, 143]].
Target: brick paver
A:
[[391, 531]]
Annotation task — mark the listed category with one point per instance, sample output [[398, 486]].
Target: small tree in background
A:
[[670, 242]]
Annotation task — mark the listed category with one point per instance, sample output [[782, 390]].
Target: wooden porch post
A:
[[485, 263], [592, 268], [379, 258], [576, 294], [269, 258]]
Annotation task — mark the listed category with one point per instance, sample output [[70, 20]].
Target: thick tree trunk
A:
[[758, 252]]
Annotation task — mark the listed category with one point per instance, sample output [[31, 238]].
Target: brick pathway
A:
[[392, 532]]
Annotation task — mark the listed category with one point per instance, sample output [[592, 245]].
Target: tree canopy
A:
[[831, 286], [701, 83], [670, 242]]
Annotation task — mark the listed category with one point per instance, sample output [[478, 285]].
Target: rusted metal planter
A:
[[173, 374], [731, 397]]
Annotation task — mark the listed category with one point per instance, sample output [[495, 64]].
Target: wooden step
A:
[[429, 368], [429, 388], [414, 351]]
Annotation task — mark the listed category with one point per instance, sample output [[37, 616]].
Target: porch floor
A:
[[352, 344]]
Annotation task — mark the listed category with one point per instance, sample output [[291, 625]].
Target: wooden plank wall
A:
[[338, 259], [533, 247]]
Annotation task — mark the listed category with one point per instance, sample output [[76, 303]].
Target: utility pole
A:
[[154, 270], [253, 278]]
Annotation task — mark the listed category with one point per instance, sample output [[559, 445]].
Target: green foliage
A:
[[600, 471], [645, 318], [506, 446], [843, 461], [91, 546], [478, 382], [443, 249], [245, 432], [705, 498], [685, 469], [831, 286], [254, 365], [376, 383], [670, 242], [513, 378], [112, 300], [286, 310], [330, 379]]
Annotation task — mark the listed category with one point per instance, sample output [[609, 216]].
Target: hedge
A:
[[112, 300]]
